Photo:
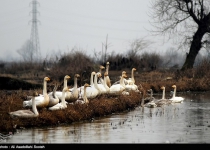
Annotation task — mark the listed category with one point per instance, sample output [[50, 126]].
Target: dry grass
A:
[[101, 106]]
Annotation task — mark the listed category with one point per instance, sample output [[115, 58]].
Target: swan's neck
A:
[[53, 93], [91, 79], [75, 82], [151, 93], [122, 81], [107, 68], [132, 76], [174, 94], [163, 96], [65, 83], [105, 84], [63, 98], [95, 83], [34, 109], [45, 87], [84, 96]]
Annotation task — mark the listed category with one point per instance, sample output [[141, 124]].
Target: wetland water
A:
[[187, 122]]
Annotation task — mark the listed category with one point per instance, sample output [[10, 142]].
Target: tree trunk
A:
[[194, 49]]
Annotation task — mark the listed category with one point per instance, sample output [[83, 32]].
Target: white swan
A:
[[74, 91], [83, 100], [62, 104], [108, 82], [131, 80], [91, 92], [59, 93], [41, 100], [163, 100], [105, 82], [117, 89], [101, 81], [176, 99], [26, 113], [100, 86], [53, 97]]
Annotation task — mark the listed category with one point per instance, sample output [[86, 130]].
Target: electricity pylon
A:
[[34, 39]]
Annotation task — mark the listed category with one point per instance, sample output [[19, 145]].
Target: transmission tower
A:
[[34, 39]]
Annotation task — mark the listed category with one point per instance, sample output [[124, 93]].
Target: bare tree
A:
[[189, 20], [136, 46], [26, 52], [104, 54]]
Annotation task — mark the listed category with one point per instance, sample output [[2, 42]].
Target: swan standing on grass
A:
[[62, 104], [176, 99], [26, 113], [41, 100], [83, 100], [91, 91]]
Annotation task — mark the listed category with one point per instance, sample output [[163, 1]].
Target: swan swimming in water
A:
[[151, 103], [26, 113], [163, 100], [176, 99], [41, 100]]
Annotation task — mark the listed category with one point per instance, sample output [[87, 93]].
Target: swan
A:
[[163, 100], [26, 113], [59, 93], [84, 100], [91, 91], [124, 80], [105, 82], [62, 104], [101, 81], [151, 103], [74, 91], [176, 99], [41, 100], [118, 88], [53, 97], [100, 86], [131, 80], [108, 82]]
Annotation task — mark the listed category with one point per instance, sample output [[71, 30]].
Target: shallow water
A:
[[187, 122]]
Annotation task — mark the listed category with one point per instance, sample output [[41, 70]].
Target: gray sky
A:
[[84, 24]]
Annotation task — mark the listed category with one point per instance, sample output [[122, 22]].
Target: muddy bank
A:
[[98, 107]]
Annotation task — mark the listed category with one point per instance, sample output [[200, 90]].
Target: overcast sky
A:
[[84, 24]]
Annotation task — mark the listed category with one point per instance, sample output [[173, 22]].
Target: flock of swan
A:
[[57, 100]]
